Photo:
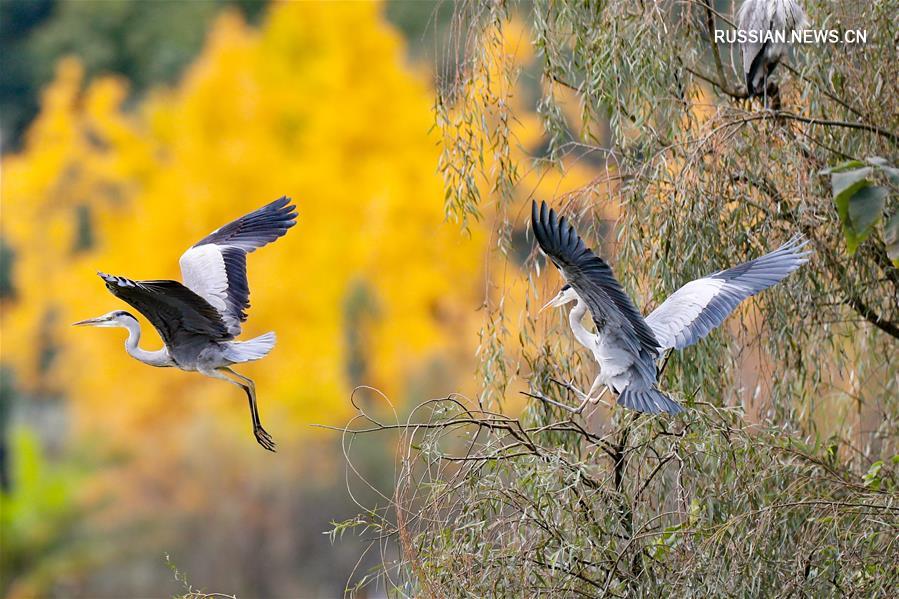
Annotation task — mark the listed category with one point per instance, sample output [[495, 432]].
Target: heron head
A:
[[116, 318], [565, 295]]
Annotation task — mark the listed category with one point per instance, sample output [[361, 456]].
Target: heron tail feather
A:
[[652, 401], [252, 349]]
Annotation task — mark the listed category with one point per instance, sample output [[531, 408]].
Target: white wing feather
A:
[[670, 322], [203, 272], [700, 306], [215, 268]]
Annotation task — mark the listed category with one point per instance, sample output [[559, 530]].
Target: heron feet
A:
[[586, 398], [263, 438], [552, 402], [570, 387]]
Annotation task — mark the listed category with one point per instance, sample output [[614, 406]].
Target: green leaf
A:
[[843, 166], [891, 238], [866, 208], [872, 477], [848, 182], [845, 184]]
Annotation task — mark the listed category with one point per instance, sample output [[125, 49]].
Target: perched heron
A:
[[762, 56], [627, 346], [199, 320]]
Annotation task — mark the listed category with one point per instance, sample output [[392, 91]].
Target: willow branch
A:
[[710, 24], [852, 299], [736, 95], [873, 317], [892, 137]]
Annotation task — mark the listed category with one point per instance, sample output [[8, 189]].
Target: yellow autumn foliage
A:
[[293, 109], [372, 286], [371, 273]]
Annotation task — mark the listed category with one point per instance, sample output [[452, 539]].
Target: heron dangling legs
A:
[[625, 345], [199, 320], [761, 56]]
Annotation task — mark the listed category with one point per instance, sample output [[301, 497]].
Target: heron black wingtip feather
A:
[[537, 224], [115, 281]]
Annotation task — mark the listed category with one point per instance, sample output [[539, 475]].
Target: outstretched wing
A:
[[180, 315], [215, 268], [702, 305], [591, 278]]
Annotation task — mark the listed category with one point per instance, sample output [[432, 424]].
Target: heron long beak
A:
[[89, 322], [552, 303]]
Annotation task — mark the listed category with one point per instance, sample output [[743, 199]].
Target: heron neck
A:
[[577, 327], [153, 358]]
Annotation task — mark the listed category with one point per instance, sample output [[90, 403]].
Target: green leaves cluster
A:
[[40, 522], [860, 202], [882, 475]]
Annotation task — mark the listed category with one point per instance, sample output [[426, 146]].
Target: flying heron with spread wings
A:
[[627, 346], [761, 55], [199, 320]]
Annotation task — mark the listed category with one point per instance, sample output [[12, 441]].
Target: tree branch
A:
[[710, 24], [736, 95], [852, 299], [871, 316], [892, 137]]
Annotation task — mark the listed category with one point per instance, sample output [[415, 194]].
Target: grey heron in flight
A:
[[761, 56], [199, 320], [627, 346]]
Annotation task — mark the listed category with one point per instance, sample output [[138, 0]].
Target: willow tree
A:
[[780, 478]]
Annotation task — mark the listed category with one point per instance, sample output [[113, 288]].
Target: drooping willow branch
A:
[[437, 486]]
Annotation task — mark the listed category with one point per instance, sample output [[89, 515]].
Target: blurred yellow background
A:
[[115, 463]]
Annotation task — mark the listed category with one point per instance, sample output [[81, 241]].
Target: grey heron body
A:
[[199, 320], [627, 346], [761, 56]]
